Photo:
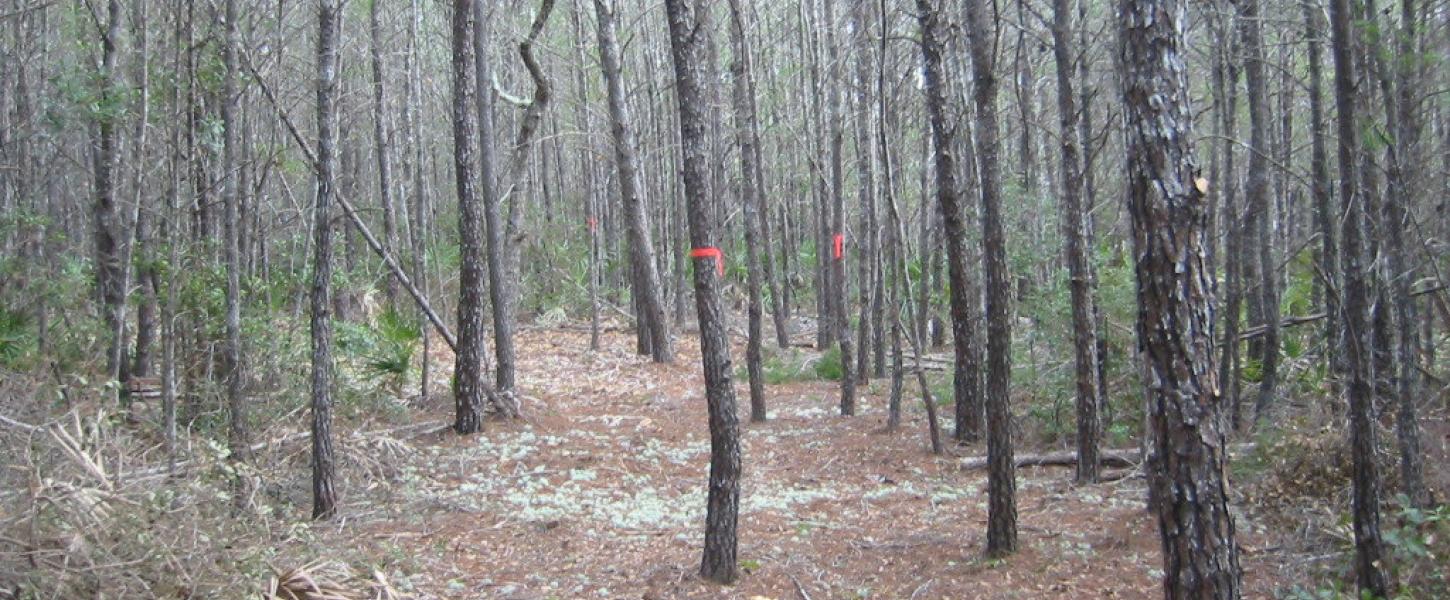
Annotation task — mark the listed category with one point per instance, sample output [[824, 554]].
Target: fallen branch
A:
[[1112, 459]]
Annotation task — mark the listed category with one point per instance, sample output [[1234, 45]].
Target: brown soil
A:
[[597, 493]]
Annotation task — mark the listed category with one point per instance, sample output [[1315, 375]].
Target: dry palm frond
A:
[[316, 581]]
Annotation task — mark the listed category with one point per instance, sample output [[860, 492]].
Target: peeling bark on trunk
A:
[[1167, 201]]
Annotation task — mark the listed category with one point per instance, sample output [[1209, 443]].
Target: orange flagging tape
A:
[[711, 252], [592, 223], [838, 246]]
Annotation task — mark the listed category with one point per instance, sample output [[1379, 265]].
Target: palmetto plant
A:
[[392, 357], [14, 336]]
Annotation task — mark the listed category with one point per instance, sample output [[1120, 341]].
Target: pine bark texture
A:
[[1002, 474], [966, 384], [324, 497], [1168, 204], [468, 384], [688, 19], [1074, 229], [1370, 574]]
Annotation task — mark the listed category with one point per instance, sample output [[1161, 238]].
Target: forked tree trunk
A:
[[686, 19], [1166, 198]]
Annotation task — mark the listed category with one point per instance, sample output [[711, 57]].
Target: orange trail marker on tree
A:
[[711, 252], [838, 246]]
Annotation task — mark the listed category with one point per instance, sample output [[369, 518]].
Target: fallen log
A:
[[1112, 459], [1108, 459]]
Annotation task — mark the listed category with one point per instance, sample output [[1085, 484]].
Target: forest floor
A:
[[598, 492]]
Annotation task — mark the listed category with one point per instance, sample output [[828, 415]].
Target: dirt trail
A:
[[599, 493]]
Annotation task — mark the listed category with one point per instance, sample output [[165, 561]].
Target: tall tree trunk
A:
[[381, 143], [1084, 330], [419, 223], [1256, 195], [866, 186], [110, 265], [647, 288], [1371, 577], [324, 496], [239, 434], [1186, 464], [686, 20], [1002, 474], [468, 385], [1324, 213], [1404, 162], [750, 192], [838, 319], [1226, 81], [965, 383], [148, 274]]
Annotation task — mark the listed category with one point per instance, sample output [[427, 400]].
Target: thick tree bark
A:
[[646, 279], [1166, 198], [751, 196], [1371, 577], [468, 384], [686, 20], [324, 496], [965, 383], [1084, 329], [1002, 476]]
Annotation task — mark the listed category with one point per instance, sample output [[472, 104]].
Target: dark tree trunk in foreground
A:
[[324, 498], [1002, 474], [1074, 229], [751, 196], [646, 280], [468, 384], [1168, 204], [1368, 544], [687, 20], [965, 383]]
